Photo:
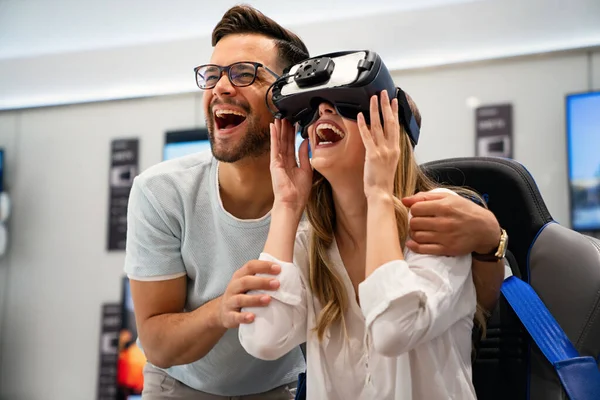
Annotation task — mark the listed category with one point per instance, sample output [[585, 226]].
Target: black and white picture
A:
[[123, 169], [494, 131]]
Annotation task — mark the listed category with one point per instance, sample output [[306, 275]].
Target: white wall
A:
[[8, 136], [114, 50], [595, 63], [59, 272], [535, 86]]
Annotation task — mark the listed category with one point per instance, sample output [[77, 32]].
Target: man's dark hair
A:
[[246, 19]]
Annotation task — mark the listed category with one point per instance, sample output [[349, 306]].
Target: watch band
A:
[[496, 254]]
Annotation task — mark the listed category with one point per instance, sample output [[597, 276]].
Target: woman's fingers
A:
[[289, 139], [376, 129], [303, 157], [274, 142], [390, 126], [365, 133]]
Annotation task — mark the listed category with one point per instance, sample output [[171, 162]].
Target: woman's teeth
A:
[[320, 132]]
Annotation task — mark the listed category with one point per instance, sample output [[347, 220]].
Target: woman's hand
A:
[[382, 146], [291, 183]]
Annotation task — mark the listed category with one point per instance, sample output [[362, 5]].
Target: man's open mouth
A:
[[228, 119], [328, 134]]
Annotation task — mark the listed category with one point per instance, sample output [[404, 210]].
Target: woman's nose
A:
[[326, 108]]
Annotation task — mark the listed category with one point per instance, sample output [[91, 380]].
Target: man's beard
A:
[[254, 143]]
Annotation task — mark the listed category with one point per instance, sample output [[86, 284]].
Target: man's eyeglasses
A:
[[240, 74]]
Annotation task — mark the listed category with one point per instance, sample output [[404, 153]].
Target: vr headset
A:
[[346, 80]]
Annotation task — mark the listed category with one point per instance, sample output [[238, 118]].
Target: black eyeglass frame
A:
[[227, 70]]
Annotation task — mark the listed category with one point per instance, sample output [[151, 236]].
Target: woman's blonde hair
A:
[[325, 283]]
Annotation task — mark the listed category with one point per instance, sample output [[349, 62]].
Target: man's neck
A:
[[245, 187]]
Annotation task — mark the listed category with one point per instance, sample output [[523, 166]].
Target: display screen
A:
[[183, 143], [583, 141]]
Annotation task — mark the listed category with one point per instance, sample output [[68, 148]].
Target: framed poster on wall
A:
[[494, 131], [123, 169], [108, 348]]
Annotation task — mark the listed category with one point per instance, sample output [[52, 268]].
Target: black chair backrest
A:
[[510, 192], [563, 267]]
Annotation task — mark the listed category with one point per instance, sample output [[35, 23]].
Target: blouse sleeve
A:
[[409, 302], [281, 325]]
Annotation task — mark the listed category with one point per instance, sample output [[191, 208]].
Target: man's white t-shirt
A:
[[177, 226]]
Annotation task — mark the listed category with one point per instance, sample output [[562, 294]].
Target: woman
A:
[[380, 321]]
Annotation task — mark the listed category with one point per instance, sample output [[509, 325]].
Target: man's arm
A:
[[488, 278], [488, 275], [171, 336], [444, 224], [168, 335]]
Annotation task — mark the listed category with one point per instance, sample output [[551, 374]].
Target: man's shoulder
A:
[[187, 169]]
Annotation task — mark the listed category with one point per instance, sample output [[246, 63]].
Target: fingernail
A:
[[276, 268], [274, 283], [265, 299], [249, 318]]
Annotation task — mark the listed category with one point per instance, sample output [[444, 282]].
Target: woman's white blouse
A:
[[410, 338]]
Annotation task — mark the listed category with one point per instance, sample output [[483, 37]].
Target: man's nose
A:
[[224, 86]]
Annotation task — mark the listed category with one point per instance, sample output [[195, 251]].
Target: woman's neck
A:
[[351, 228], [351, 213]]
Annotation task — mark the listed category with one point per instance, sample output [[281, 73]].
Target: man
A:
[[196, 224]]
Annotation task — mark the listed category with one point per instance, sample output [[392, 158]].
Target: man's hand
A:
[[445, 224], [244, 280]]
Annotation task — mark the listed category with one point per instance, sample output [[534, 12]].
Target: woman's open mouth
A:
[[328, 134]]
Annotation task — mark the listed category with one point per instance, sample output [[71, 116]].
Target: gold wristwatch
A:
[[496, 254]]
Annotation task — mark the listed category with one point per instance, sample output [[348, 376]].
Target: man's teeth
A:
[[322, 127], [220, 113]]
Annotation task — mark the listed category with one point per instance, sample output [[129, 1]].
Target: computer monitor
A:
[[184, 142], [583, 144]]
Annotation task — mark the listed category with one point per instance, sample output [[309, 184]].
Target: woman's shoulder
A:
[[442, 190], [302, 247], [435, 190], [303, 233]]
